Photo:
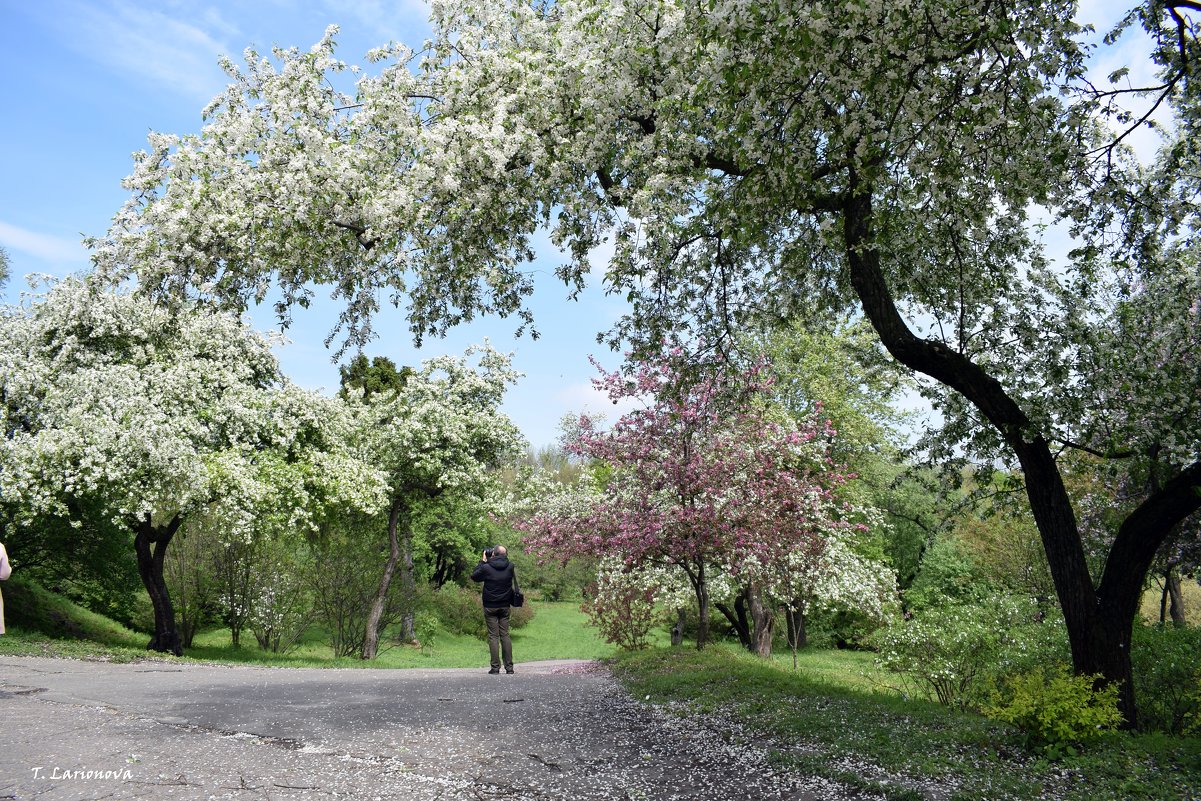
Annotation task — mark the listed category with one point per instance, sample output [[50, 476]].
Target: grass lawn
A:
[[832, 722], [1191, 591], [558, 631], [44, 624]]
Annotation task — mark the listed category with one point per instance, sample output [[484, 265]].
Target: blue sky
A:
[[86, 81]]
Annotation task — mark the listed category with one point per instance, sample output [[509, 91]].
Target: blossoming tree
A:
[[748, 159], [440, 433], [702, 479], [149, 417]]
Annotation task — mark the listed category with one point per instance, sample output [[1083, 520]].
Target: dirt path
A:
[[555, 730]]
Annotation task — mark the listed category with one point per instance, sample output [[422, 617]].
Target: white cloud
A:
[[149, 45], [54, 250], [392, 20]]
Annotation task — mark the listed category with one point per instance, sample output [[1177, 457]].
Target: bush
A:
[[945, 653], [1055, 708], [623, 605], [1167, 685], [625, 617], [948, 575], [956, 654], [521, 615], [460, 611], [425, 626], [282, 606]]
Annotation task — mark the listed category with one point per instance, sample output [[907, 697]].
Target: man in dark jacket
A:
[[496, 572]]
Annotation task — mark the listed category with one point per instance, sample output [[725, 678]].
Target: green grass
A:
[[558, 631], [44, 624], [41, 623], [828, 709]]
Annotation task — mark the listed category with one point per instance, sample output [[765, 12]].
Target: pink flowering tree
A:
[[703, 477]]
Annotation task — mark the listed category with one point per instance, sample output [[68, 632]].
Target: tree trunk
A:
[[738, 621], [1176, 609], [442, 567], [166, 637], [408, 584], [677, 631], [700, 587], [1099, 621], [794, 615], [763, 620], [371, 638], [795, 618]]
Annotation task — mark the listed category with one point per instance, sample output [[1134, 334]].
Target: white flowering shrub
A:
[[627, 603], [955, 654], [282, 606]]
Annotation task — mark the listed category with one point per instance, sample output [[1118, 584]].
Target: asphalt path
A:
[[555, 730]]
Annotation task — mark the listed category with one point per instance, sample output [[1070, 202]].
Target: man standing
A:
[[496, 572]]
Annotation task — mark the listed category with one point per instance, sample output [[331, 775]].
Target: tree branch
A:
[[1145, 529], [1126, 454], [1049, 501]]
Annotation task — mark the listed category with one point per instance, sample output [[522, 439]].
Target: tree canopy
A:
[[750, 161], [124, 416]]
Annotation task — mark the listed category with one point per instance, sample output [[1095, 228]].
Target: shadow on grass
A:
[[832, 718]]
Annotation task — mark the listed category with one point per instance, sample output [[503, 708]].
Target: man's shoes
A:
[[494, 671], [509, 671]]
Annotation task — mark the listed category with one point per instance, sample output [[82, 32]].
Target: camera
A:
[[491, 549]]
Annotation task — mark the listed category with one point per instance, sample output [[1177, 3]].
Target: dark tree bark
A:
[[444, 566], [397, 518], [700, 587], [1176, 597], [1099, 620], [738, 620], [763, 620], [677, 631], [150, 543]]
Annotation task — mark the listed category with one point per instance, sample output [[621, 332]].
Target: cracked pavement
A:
[[555, 730]]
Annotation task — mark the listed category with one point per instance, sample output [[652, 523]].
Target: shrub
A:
[[521, 615], [944, 653], [282, 605], [1166, 681], [425, 626], [947, 576], [460, 611], [955, 654], [625, 614], [1055, 708]]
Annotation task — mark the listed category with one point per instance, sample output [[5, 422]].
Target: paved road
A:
[[556, 730]]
